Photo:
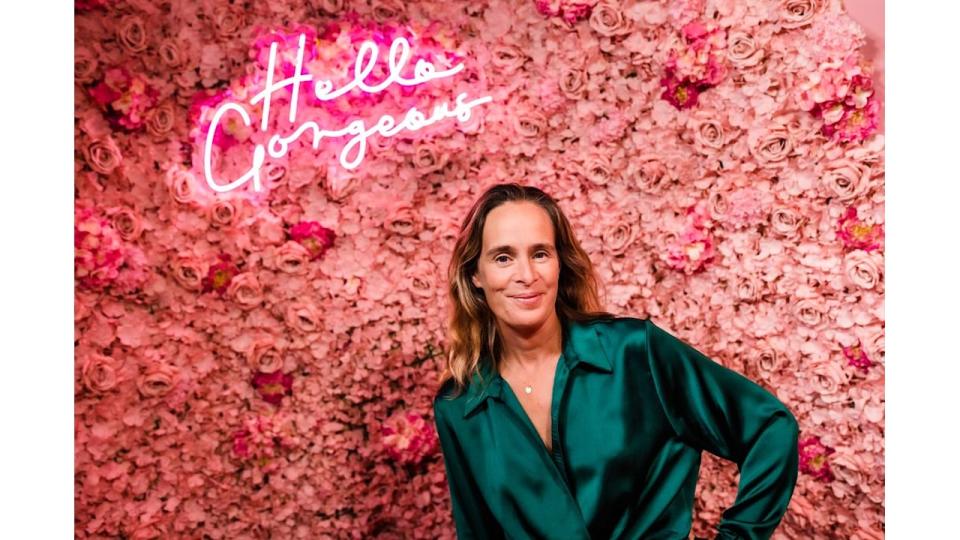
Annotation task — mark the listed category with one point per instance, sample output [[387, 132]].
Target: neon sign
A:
[[278, 146]]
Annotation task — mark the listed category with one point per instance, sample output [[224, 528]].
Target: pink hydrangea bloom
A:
[[841, 93], [695, 65], [231, 130], [570, 11], [126, 98], [98, 249], [262, 439], [813, 459], [856, 124], [408, 437]]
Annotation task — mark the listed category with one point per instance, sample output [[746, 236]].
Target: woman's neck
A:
[[528, 349]]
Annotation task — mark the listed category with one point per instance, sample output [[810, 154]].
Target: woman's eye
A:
[[542, 253], [500, 257]]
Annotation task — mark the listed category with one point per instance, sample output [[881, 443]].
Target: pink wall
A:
[[869, 13]]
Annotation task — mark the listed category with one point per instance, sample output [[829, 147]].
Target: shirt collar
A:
[[582, 344]]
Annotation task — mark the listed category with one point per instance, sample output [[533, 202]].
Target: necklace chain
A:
[[528, 388]]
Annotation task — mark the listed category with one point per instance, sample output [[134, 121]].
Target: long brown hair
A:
[[471, 330]]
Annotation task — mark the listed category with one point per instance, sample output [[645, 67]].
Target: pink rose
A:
[[103, 155], [848, 467], [827, 377], [245, 290], [132, 34], [617, 238], [847, 179], [596, 168], [160, 120], [607, 19], [330, 7], [769, 362], [529, 124], [303, 317], [786, 221], [400, 245], [770, 147], [127, 223], [84, 65], [385, 11], [182, 186], [157, 381], [748, 288], [507, 58], [742, 49], [169, 52], [228, 21], [222, 213], [264, 356], [338, 185], [650, 172], [100, 372], [809, 311], [189, 272], [572, 82], [426, 159], [797, 13], [404, 221], [708, 134], [292, 258], [421, 278], [861, 269]]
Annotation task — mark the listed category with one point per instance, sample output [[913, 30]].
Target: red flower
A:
[[273, 386], [220, 275], [813, 459], [856, 356], [681, 94], [313, 236], [857, 234]]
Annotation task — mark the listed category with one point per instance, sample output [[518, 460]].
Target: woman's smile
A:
[[528, 300]]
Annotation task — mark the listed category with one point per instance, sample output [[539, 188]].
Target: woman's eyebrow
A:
[[510, 249]]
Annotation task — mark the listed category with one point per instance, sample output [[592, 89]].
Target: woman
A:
[[558, 420]]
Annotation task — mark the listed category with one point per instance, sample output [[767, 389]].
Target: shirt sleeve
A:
[[716, 409], [471, 515]]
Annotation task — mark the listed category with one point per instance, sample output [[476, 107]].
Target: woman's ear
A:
[[475, 281]]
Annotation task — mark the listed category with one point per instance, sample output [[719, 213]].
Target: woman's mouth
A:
[[528, 300]]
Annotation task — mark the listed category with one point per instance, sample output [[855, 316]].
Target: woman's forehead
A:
[[518, 225]]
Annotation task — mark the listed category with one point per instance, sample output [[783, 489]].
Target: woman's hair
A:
[[472, 330]]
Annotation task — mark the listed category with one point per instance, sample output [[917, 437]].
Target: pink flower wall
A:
[[260, 362]]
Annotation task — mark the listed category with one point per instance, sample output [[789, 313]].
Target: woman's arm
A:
[[471, 514], [718, 410]]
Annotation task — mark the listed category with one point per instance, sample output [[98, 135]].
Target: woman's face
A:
[[518, 259]]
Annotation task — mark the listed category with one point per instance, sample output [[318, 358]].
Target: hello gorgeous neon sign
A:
[[278, 146]]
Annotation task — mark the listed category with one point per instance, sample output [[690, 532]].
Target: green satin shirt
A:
[[633, 407]]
